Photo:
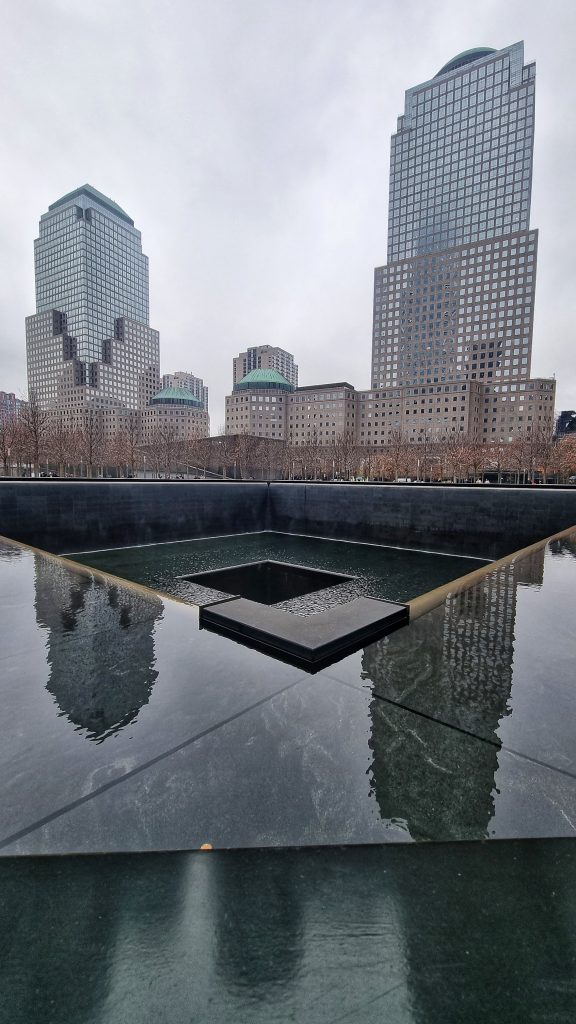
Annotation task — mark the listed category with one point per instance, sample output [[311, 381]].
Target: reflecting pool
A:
[[395, 574]]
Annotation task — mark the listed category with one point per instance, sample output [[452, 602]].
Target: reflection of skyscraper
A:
[[100, 647], [454, 665], [479, 638], [566, 545]]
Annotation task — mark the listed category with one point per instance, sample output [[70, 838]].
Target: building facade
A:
[[454, 305], [322, 414], [258, 405], [265, 357], [10, 406], [89, 341], [174, 413]]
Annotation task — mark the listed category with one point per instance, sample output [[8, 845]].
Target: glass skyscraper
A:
[[455, 302], [461, 159], [90, 339], [89, 263]]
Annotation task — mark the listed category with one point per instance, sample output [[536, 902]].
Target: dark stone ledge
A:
[[310, 642]]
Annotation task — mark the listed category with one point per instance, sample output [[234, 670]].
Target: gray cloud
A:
[[249, 140]]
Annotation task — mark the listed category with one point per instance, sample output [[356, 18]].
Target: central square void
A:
[[268, 582]]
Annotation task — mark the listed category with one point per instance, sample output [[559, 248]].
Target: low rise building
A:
[[10, 406], [177, 411], [258, 405], [322, 414]]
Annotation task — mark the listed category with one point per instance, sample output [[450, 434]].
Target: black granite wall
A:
[[75, 516], [489, 521]]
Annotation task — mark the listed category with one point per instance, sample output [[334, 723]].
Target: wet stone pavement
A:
[[126, 728]]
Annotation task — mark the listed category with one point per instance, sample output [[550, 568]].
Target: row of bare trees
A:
[[37, 442], [523, 460]]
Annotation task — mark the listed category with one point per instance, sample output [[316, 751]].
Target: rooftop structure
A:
[[263, 380], [186, 379], [265, 357], [176, 396]]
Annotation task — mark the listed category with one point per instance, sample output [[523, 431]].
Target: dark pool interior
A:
[[395, 574], [268, 582]]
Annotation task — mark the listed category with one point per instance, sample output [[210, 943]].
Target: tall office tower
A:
[[266, 357], [455, 302], [186, 379], [90, 338]]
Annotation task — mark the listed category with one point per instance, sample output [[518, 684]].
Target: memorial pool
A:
[[394, 574]]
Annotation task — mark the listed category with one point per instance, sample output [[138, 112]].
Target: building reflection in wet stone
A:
[[100, 647], [69, 942], [453, 666], [258, 924]]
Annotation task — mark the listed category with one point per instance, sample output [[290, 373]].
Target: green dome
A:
[[265, 380], [176, 396], [466, 57]]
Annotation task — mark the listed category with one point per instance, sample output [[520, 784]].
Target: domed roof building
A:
[[176, 396], [263, 380], [257, 405], [176, 410], [466, 57]]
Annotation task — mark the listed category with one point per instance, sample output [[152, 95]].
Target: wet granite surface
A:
[[127, 728], [455, 933]]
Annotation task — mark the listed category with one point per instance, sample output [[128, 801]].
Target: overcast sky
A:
[[250, 142]]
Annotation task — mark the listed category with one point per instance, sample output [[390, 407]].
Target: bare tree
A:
[[164, 448], [454, 455], [476, 457], [544, 453], [397, 454], [128, 441], [345, 455], [246, 453], [59, 442], [566, 456], [91, 439], [496, 458], [35, 422], [8, 434], [198, 453]]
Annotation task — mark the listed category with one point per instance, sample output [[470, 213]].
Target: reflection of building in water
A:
[[9, 552], [258, 927], [564, 546], [478, 639], [100, 647], [453, 665]]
